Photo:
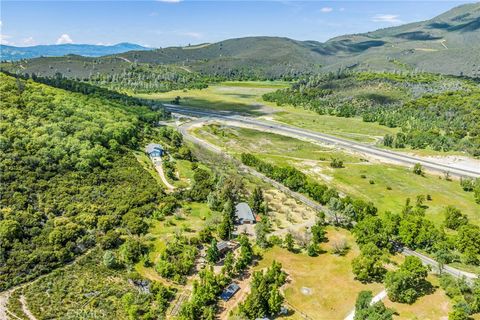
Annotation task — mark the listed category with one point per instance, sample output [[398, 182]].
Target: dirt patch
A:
[[4, 296], [461, 162]]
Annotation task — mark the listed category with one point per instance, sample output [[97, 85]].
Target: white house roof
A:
[[243, 212], [151, 147]]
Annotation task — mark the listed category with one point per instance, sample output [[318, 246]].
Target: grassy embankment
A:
[[85, 289]]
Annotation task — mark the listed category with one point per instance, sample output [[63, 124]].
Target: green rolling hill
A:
[[448, 44]]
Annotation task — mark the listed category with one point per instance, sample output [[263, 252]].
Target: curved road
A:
[[184, 130], [402, 159]]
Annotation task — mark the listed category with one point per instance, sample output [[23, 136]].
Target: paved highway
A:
[[381, 154], [454, 272]]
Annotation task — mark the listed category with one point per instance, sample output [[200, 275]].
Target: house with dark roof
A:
[[154, 150], [244, 214], [229, 291], [223, 247]]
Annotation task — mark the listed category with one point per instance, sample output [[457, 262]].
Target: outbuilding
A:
[[223, 247], [229, 291], [154, 150], [244, 214]]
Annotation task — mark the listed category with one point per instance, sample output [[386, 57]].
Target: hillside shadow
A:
[[347, 46], [467, 26], [417, 35], [240, 95]]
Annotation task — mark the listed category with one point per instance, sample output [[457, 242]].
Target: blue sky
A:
[[174, 22]]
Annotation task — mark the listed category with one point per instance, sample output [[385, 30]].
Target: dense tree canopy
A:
[[264, 299], [407, 283], [68, 175], [368, 266], [365, 310]]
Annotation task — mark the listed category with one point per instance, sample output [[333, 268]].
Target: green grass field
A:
[[314, 160], [190, 219], [239, 140], [246, 97], [243, 97], [349, 128], [185, 173], [322, 287]]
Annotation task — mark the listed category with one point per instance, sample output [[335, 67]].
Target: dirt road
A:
[[157, 162]]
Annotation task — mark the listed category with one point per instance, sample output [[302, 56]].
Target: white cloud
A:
[[326, 9], [388, 18], [28, 41], [170, 1], [342, 9], [64, 38], [4, 40]]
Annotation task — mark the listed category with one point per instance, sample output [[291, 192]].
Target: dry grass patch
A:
[[322, 287], [286, 211]]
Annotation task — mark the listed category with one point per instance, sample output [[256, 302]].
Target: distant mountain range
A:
[[448, 44], [11, 53]]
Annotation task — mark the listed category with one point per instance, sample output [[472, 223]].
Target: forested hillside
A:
[[69, 179], [111, 72], [437, 112]]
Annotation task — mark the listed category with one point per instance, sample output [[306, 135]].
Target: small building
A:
[[244, 214], [229, 291], [154, 150], [223, 247]]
